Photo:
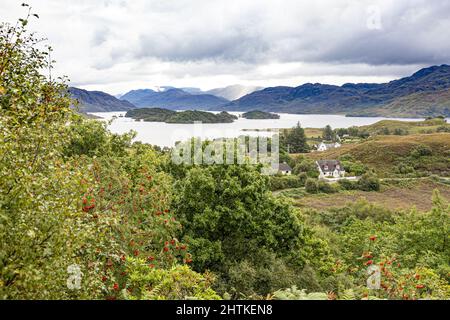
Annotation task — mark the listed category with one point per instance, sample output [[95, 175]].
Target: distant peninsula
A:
[[260, 115], [170, 116]]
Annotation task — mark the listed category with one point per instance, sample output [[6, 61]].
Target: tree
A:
[[75, 200], [307, 166], [229, 216], [296, 140], [328, 133]]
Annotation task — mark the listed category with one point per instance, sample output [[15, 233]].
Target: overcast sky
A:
[[118, 45]]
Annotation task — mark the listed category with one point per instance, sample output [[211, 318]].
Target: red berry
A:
[[104, 278], [116, 287], [166, 249], [368, 263], [373, 238]]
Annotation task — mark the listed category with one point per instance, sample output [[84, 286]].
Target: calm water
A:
[[164, 134]]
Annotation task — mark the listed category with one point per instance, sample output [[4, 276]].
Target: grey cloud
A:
[[115, 41]]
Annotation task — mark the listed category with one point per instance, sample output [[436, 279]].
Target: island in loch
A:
[[170, 116]]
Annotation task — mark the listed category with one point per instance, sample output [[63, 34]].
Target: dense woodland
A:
[[74, 196]]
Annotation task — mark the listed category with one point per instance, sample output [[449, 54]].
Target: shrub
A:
[[421, 151], [404, 169], [285, 182], [311, 186], [325, 187], [347, 184], [307, 166], [177, 283], [369, 182]]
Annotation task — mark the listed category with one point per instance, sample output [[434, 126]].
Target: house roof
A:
[[284, 167], [329, 164]]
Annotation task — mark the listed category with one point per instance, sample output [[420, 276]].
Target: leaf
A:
[[36, 15]]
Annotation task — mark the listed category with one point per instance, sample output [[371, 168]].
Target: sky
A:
[[117, 45]]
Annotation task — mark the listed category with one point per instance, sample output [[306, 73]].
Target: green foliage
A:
[[176, 283], [325, 187], [421, 151], [150, 114], [91, 138], [312, 186], [229, 217], [189, 116], [296, 140], [369, 182], [307, 166], [72, 194], [352, 166], [201, 116], [347, 184], [285, 182], [260, 115], [328, 134]]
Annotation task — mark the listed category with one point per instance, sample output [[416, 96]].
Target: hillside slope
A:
[[174, 99], [386, 153], [97, 101], [425, 93]]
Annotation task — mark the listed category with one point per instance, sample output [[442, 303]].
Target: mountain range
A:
[[425, 93], [173, 99], [233, 92], [97, 101]]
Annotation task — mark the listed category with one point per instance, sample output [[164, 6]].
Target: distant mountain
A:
[[233, 92], [174, 99], [97, 101], [425, 93]]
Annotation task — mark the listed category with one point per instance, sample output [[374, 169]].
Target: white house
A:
[[285, 169], [330, 169], [328, 146]]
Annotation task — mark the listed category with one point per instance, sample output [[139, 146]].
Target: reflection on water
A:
[[165, 134]]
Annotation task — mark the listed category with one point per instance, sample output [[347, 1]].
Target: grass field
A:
[[418, 194]]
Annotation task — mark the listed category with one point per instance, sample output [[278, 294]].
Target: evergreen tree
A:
[[328, 133], [296, 140]]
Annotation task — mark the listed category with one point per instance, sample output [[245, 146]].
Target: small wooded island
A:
[[256, 114], [170, 116]]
